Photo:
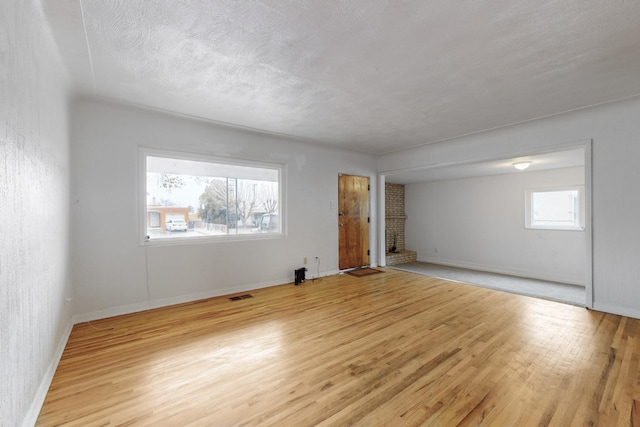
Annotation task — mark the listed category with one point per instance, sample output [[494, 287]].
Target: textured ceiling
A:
[[372, 75]]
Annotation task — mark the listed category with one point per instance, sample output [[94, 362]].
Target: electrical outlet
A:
[[305, 260]]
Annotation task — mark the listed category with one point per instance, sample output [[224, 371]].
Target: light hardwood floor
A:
[[394, 348]]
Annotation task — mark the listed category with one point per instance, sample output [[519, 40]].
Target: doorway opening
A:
[[439, 230]]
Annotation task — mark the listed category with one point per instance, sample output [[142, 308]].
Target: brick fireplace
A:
[[394, 226]]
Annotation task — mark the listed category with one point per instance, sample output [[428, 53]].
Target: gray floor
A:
[[561, 292]]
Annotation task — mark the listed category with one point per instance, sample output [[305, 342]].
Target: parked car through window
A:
[[176, 225]]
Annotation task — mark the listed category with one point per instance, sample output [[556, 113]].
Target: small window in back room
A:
[[555, 208], [197, 197]]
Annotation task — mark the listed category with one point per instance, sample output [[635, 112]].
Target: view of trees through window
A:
[[215, 199]]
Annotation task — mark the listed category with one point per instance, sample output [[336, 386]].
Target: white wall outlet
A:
[[305, 260]]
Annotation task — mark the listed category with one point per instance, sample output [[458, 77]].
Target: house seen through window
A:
[[200, 198]]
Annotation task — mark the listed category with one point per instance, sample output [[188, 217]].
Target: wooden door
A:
[[353, 221]]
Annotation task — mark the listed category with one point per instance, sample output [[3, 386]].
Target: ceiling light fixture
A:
[[521, 165]]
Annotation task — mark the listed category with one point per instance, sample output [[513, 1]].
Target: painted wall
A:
[[113, 273], [479, 223], [615, 131], [34, 211]]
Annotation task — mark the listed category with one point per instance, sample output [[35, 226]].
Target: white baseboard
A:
[[491, 269], [325, 274], [43, 389], [621, 311], [165, 302]]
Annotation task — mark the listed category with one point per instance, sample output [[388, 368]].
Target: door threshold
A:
[[346, 270]]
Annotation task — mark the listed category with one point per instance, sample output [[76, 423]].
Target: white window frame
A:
[[529, 192], [144, 152]]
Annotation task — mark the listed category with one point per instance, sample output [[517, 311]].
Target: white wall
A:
[[615, 131], [479, 223], [111, 269], [34, 211]]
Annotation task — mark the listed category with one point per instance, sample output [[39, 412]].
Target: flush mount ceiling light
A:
[[521, 165]]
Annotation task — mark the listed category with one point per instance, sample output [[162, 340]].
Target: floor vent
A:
[[239, 297]]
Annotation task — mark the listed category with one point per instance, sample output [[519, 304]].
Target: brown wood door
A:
[[353, 221]]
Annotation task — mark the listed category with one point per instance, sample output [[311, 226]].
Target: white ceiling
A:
[[368, 75], [539, 162]]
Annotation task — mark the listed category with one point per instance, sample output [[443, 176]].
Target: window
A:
[[555, 208], [197, 197]]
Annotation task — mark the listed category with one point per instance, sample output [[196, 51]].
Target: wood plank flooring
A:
[[395, 348]]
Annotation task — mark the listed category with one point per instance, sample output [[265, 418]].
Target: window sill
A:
[[554, 228]]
